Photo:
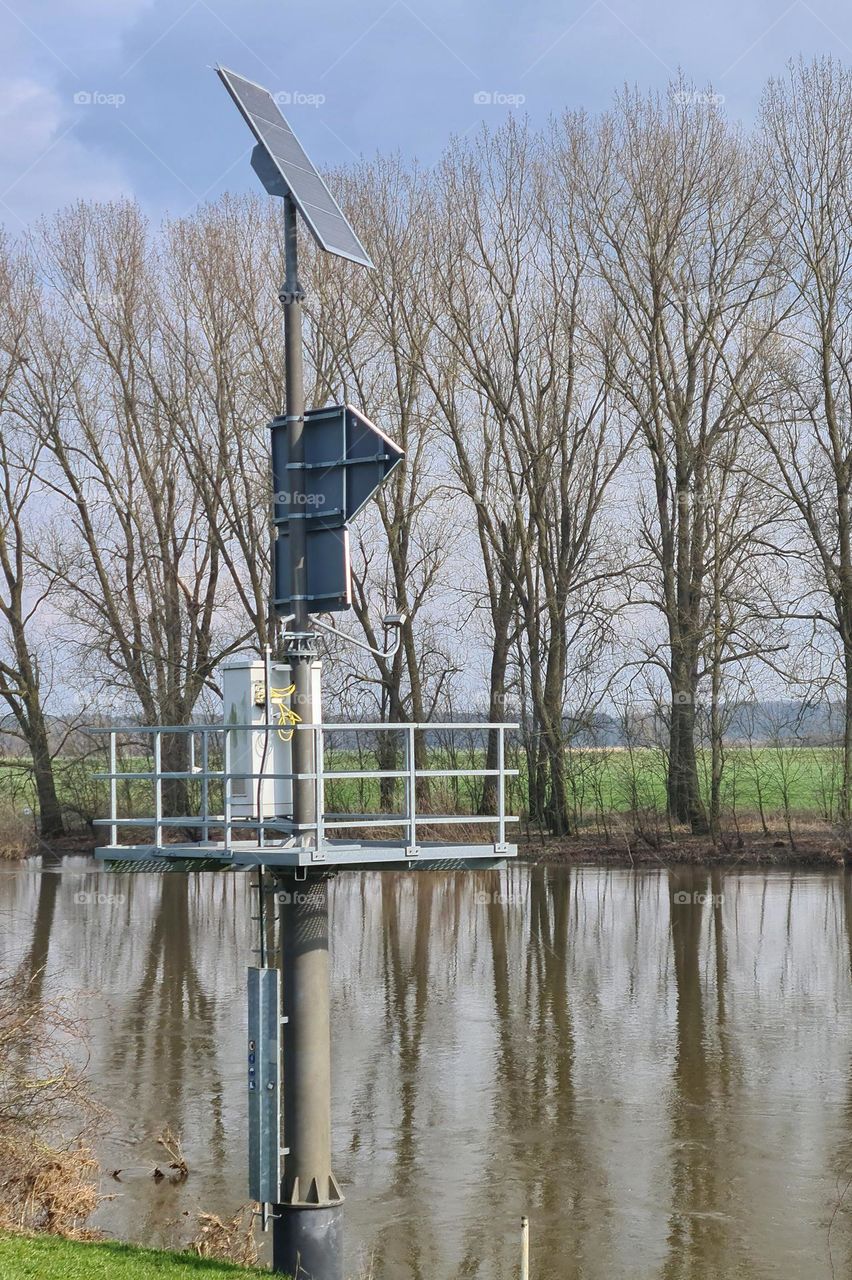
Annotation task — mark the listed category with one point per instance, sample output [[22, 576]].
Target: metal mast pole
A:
[[307, 1234]]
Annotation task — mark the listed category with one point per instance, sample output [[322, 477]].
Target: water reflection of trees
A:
[[598, 1029], [518, 968], [839, 1210], [585, 1050], [33, 964], [698, 1239], [166, 1058]]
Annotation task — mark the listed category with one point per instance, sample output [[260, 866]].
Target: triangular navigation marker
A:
[[347, 458]]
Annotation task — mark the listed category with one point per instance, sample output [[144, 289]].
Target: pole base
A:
[[307, 1244]]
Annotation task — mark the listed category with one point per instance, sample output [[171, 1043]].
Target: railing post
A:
[[158, 789], [501, 787], [205, 788], [319, 762], [259, 792], [226, 787], [412, 791], [113, 790]]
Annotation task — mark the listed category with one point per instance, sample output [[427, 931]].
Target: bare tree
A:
[[676, 214], [527, 410], [222, 382], [137, 568], [745, 577], [23, 588], [807, 421], [591, 343], [363, 326]]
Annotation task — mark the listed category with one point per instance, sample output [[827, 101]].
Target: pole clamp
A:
[[299, 644]]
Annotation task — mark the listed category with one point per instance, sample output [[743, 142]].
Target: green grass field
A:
[[799, 780], [795, 781], [49, 1258]]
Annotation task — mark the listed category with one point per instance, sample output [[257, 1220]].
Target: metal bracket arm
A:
[[361, 644]]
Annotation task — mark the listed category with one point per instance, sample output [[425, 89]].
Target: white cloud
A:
[[43, 162]]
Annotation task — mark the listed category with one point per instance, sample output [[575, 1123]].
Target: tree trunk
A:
[[387, 759], [174, 758], [717, 746], [388, 751], [537, 780], [716, 771], [51, 824], [28, 712], [846, 781], [684, 791], [496, 712], [557, 815]]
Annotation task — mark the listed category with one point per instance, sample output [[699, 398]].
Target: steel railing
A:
[[264, 827]]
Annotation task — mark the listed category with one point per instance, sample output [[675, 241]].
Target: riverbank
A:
[[816, 849], [811, 844], [51, 1258], [811, 848]]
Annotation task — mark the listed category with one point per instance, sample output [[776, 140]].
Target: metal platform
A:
[[335, 855], [228, 841]]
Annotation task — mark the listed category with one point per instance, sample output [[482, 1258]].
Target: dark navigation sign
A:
[[346, 459], [329, 582]]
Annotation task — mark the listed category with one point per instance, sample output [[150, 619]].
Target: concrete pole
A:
[[307, 1232]]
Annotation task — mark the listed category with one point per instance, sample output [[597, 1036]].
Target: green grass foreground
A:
[[50, 1258]]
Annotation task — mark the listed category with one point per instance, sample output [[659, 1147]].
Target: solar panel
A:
[[287, 169]]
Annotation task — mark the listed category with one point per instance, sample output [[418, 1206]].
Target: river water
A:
[[655, 1066]]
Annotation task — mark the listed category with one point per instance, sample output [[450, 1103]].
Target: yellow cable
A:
[[286, 715]]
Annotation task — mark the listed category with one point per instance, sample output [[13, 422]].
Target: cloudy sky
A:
[[101, 98]]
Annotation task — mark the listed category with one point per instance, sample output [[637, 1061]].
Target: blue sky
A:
[[103, 98]]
